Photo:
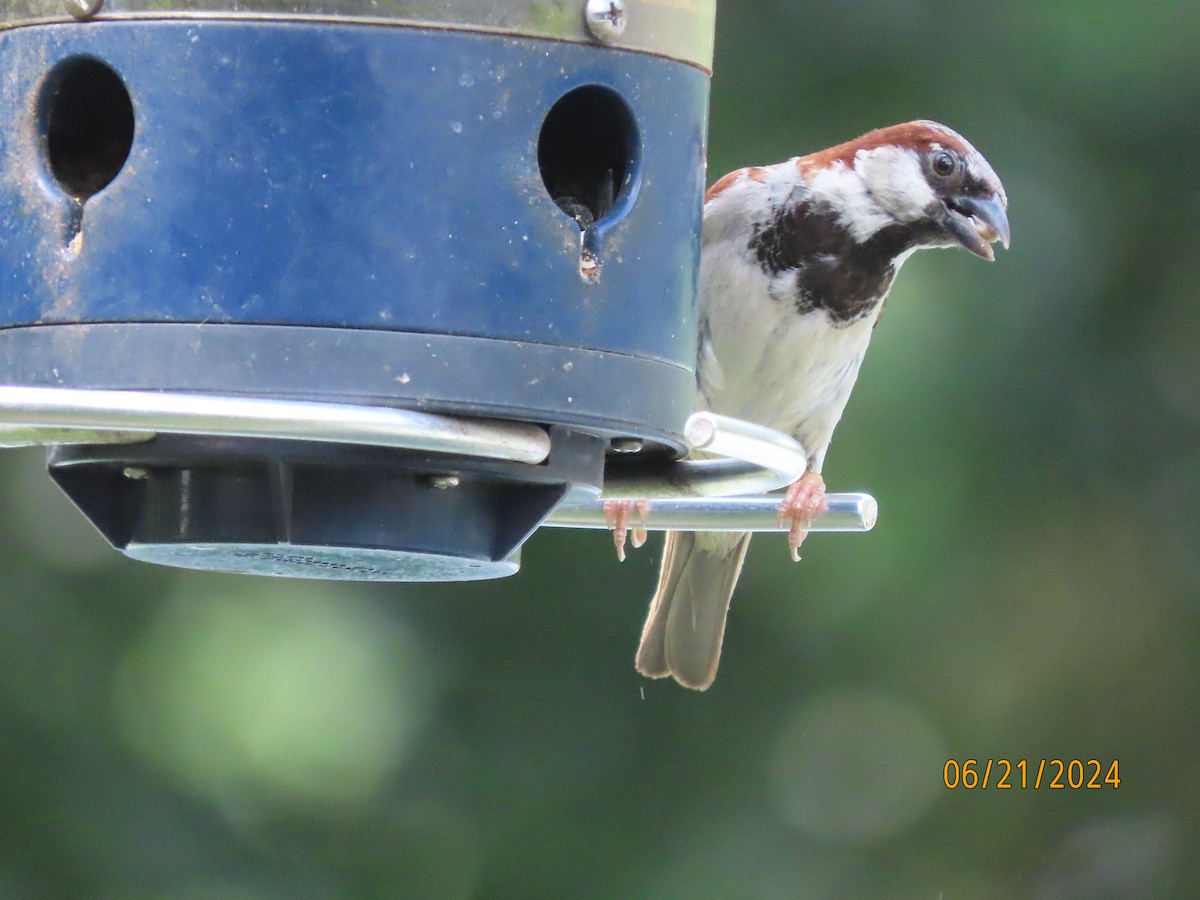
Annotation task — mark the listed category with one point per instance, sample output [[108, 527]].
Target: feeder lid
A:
[[677, 29]]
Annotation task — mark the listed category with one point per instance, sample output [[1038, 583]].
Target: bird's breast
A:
[[766, 361]]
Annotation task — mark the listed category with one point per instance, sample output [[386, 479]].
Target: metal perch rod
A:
[[844, 512]]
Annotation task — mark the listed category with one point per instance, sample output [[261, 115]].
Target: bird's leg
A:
[[804, 499], [616, 514]]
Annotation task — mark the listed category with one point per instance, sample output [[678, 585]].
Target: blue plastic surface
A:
[[353, 176]]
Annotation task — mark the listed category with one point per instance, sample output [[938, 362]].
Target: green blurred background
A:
[[1029, 428]]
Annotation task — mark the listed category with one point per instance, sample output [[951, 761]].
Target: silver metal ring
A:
[[95, 414]]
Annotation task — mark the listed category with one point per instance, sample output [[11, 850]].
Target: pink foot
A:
[[616, 514], [804, 499]]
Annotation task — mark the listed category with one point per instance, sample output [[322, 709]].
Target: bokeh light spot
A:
[[857, 766], [284, 691]]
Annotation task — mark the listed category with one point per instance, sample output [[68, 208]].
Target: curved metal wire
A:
[[755, 460]]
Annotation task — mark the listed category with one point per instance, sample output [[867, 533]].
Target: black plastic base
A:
[[320, 510]]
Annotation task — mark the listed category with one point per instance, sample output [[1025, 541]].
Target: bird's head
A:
[[920, 180]]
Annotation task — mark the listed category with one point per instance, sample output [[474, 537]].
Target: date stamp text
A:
[[1031, 774]]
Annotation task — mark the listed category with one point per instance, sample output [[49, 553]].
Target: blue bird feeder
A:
[[353, 289]]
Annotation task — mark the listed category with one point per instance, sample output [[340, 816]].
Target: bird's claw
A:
[[616, 516], [805, 499]]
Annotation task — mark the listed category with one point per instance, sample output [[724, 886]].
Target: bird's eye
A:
[[944, 162]]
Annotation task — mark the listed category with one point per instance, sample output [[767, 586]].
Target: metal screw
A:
[[626, 445], [135, 473], [82, 9], [443, 482], [606, 19]]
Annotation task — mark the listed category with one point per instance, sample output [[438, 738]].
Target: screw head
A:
[[626, 445], [82, 9], [443, 482], [135, 473], [606, 19]]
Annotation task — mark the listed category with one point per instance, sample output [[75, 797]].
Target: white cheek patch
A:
[[898, 190], [898, 184], [843, 189]]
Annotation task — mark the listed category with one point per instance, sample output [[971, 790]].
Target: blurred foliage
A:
[[1031, 429]]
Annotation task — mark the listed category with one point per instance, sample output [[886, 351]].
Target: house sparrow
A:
[[796, 262]]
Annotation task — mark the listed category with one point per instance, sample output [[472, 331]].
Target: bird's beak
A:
[[976, 222]]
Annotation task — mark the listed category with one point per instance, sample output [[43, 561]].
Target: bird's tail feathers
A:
[[686, 625]]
